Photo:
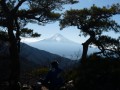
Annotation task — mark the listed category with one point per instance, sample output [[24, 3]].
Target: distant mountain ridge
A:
[[58, 44]]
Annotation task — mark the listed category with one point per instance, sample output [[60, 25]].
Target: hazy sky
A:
[[71, 33]]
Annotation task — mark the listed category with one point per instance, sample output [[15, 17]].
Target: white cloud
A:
[[29, 40]]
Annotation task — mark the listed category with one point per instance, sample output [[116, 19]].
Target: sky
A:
[[71, 33]]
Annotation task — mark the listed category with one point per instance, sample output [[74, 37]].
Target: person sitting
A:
[[54, 78]]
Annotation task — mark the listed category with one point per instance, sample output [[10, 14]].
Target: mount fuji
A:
[[58, 38], [58, 44]]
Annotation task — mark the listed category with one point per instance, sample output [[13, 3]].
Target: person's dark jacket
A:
[[54, 78]]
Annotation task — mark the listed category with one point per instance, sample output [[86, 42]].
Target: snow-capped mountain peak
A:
[[58, 38], [57, 35]]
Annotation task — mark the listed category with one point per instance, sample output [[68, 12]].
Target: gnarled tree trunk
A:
[[14, 57], [86, 45]]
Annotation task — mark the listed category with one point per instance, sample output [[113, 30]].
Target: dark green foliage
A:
[[95, 18], [40, 71], [111, 47], [32, 76], [97, 74], [25, 32]]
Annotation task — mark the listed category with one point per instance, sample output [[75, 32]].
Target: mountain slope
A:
[[42, 57], [31, 57]]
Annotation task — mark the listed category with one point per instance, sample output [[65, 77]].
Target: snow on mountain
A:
[[57, 38], [62, 46]]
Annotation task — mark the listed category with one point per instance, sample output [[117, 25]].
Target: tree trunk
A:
[[14, 57], [85, 46], [84, 54]]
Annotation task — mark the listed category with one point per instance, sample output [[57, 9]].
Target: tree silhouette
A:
[[3, 36], [111, 47], [15, 14], [25, 32], [92, 22]]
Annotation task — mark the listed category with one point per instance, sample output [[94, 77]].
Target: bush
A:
[[99, 74]]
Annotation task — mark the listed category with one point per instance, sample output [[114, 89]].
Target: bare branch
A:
[[18, 5]]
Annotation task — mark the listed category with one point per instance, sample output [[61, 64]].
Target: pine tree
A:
[[15, 14], [92, 22]]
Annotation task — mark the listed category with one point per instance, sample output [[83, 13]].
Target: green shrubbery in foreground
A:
[[97, 74]]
